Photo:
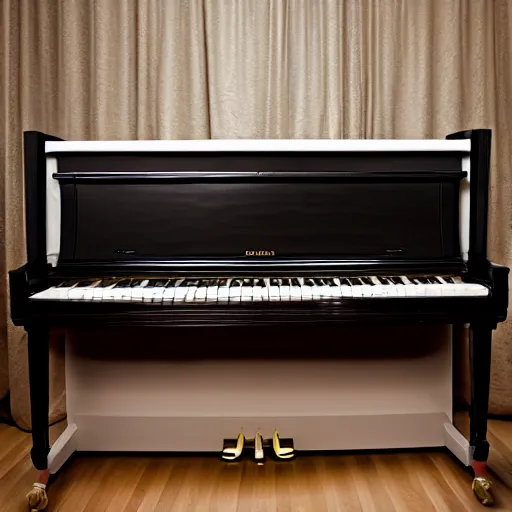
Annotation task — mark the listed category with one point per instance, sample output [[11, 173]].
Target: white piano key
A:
[[136, 289], [168, 296], [223, 293], [470, 289], [180, 291], [305, 289], [433, 289], [200, 295], [100, 291], [295, 290], [212, 292], [316, 288], [345, 287], [284, 289], [356, 287], [63, 291], [398, 286], [325, 289], [410, 288], [273, 290], [235, 291], [247, 290], [53, 293], [378, 287], [335, 288], [257, 290], [420, 288], [366, 288], [192, 287], [446, 289], [158, 294], [389, 288]]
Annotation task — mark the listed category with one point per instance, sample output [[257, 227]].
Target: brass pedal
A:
[[259, 454], [233, 448], [283, 448]]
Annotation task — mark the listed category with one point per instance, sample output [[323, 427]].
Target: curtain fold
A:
[[165, 69]]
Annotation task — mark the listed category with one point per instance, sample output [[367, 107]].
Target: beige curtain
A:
[[163, 69]]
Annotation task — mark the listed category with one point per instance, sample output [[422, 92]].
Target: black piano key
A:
[[138, 283], [367, 280], [124, 283], [354, 281], [157, 283], [437, 280], [85, 283], [105, 283], [236, 282], [222, 282], [396, 280], [66, 284], [344, 281], [295, 282], [309, 282], [449, 280], [384, 280]]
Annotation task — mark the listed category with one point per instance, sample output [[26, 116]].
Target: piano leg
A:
[[480, 350], [38, 364]]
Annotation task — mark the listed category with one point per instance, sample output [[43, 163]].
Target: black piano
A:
[[258, 233]]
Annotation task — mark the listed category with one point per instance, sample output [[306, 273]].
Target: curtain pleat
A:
[[165, 69]]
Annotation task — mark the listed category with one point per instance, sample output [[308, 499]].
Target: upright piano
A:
[[259, 233]]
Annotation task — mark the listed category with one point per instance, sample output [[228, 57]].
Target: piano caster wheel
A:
[[37, 497], [233, 448], [283, 448], [482, 489]]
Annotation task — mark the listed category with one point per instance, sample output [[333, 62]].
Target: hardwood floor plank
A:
[[338, 484], [151, 485], [414, 481]]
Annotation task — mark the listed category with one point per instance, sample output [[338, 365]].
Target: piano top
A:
[[264, 145]]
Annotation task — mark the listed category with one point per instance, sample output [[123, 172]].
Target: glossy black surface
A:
[[318, 219]]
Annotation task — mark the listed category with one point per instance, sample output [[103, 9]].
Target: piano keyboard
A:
[[237, 290]]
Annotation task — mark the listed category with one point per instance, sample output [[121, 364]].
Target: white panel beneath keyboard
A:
[[212, 399]]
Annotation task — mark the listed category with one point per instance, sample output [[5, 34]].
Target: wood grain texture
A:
[[402, 481]]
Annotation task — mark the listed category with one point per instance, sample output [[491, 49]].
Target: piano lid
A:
[[264, 145]]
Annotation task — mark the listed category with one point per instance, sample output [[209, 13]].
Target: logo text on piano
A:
[[260, 253]]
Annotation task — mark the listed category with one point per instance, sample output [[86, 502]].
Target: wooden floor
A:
[[404, 481]]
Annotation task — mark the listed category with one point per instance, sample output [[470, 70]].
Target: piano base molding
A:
[[203, 434]]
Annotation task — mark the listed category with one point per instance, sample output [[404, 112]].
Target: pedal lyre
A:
[[233, 448], [282, 449]]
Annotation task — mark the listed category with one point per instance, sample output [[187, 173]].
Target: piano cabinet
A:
[[316, 234]]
